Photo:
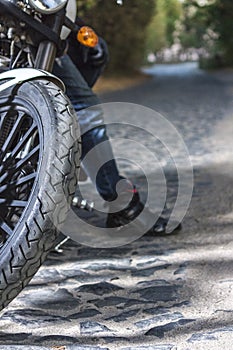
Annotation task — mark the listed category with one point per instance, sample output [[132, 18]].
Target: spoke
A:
[[20, 164], [12, 134], [14, 203], [18, 182], [11, 137], [5, 228], [24, 140], [18, 147], [2, 119]]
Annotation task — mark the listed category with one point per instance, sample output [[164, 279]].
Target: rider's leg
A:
[[92, 127], [94, 133]]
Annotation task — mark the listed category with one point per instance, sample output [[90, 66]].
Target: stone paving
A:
[[157, 293]]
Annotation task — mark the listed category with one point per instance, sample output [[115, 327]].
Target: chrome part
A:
[[14, 43], [57, 248], [30, 60], [82, 204], [16, 59], [46, 55], [4, 61], [47, 6], [71, 11]]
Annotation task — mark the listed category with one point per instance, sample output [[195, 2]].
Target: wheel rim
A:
[[21, 143]]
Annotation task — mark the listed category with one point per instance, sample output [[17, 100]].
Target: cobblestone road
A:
[[157, 293]]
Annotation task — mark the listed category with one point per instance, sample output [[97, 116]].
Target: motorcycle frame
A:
[[49, 44], [48, 31]]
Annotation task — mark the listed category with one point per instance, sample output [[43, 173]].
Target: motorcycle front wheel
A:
[[39, 162]]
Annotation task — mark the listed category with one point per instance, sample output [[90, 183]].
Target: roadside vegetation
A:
[[145, 31]]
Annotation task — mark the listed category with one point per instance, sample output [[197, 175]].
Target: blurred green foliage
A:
[[221, 17], [156, 37], [194, 25], [143, 26], [173, 10], [162, 26], [209, 24], [123, 27]]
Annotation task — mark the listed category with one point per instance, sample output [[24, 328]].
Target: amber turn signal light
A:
[[87, 36]]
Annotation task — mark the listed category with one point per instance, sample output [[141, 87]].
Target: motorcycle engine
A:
[[13, 44]]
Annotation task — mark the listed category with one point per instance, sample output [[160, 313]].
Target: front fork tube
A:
[[46, 55], [47, 50]]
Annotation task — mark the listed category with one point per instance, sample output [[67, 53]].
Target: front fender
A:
[[21, 75]]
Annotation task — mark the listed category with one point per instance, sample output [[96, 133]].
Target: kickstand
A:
[[57, 248]]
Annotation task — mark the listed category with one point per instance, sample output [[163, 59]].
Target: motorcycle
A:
[[39, 135]]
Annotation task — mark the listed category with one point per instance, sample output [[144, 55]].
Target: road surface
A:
[[156, 293]]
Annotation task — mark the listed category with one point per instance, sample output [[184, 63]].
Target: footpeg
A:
[[82, 204]]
